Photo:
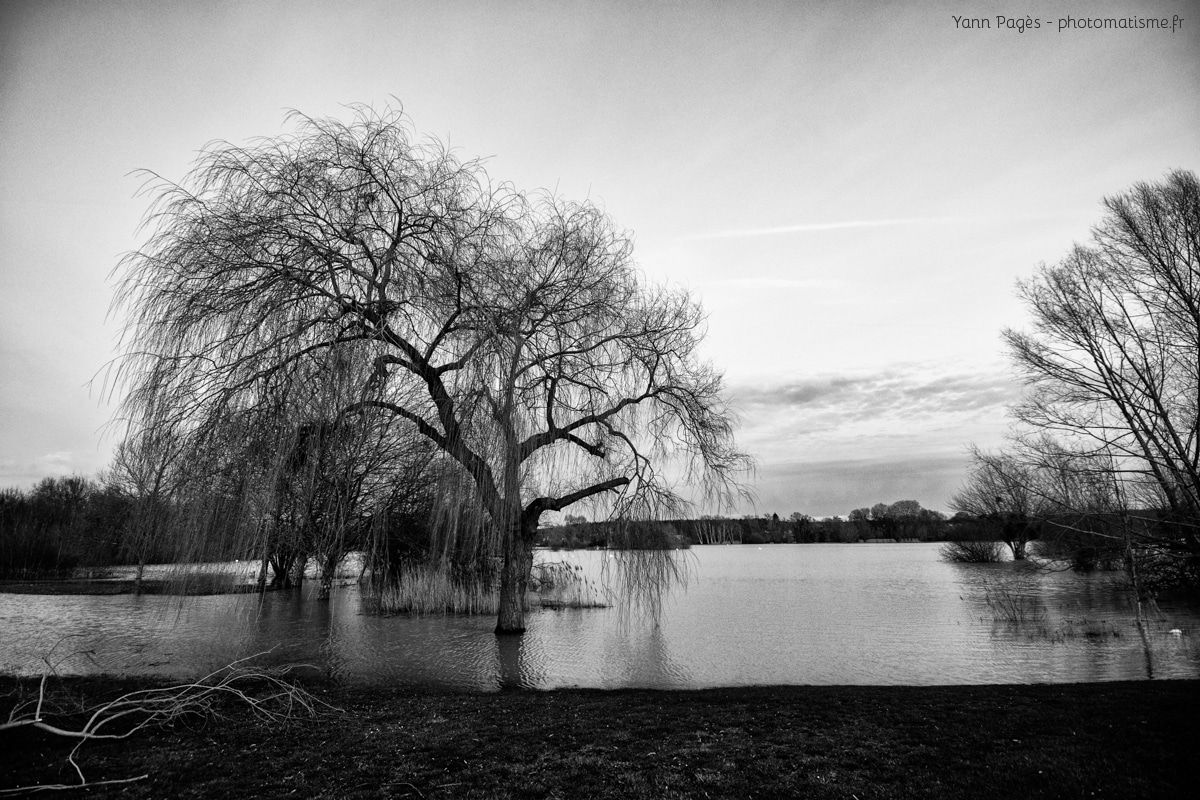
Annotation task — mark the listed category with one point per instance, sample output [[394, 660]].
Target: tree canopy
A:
[[513, 332]]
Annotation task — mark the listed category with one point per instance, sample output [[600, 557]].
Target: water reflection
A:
[[1082, 627], [820, 614]]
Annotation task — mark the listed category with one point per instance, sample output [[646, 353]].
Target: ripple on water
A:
[[800, 614]]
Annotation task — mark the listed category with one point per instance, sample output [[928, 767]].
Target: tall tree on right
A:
[[1113, 357]]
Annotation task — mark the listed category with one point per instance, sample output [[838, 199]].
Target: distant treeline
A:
[[64, 524], [904, 520]]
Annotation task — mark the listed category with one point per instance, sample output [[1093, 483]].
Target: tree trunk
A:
[[514, 576], [329, 566], [298, 568]]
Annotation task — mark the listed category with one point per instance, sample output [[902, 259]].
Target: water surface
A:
[[776, 614]]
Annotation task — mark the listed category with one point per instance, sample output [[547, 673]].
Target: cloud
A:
[[816, 227], [24, 474], [908, 411], [861, 397], [808, 284], [836, 487]]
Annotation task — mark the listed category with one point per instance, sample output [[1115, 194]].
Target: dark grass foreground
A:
[[1129, 739]]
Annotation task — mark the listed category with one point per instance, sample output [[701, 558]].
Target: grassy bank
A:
[[1091, 740]]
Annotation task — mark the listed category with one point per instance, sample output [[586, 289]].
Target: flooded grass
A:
[[428, 590], [561, 584]]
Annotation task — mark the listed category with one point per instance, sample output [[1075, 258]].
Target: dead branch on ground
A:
[[268, 695]]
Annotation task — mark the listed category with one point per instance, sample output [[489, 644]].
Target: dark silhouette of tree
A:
[[1001, 492], [514, 333], [1113, 357], [148, 469]]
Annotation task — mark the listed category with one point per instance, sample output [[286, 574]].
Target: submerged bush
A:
[[1013, 608], [1168, 574], [972, 552]]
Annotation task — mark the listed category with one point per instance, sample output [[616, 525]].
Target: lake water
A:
[[776, 614]]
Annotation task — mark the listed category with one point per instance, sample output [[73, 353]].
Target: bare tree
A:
[[1001, 490], [515, 334], [1068, 500], [1113, 359], [148, 467]]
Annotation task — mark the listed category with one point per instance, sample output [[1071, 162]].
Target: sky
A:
[[852, 190]]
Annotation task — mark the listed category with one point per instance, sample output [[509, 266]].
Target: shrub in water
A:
[[971, 552]]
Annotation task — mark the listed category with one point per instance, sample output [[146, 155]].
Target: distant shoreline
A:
[[104, 587]]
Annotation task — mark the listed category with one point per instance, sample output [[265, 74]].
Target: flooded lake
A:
[[776, 614]]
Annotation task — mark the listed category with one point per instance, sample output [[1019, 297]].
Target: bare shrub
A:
[[1014, 608], [970, 552]]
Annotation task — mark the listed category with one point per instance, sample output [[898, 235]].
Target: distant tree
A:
[[148, 468], [63, 523], [903, 519], [906, 518], [801, 527], [930, 524], [514, 334], [860, 521], [33, 542]]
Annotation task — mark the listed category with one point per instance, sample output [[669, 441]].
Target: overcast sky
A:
[[851, 189]]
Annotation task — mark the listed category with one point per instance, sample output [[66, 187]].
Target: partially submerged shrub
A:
[[971, 552], [1168, 574], [1013, 608], [559, 584]]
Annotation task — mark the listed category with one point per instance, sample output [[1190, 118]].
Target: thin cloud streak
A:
[[814, 227], [778, 283]]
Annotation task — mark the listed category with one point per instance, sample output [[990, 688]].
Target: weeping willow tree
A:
[[512, 333]]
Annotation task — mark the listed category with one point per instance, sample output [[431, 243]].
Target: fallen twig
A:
[[163, 706]]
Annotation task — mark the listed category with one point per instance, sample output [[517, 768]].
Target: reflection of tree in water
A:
[[644, 658], [607, 652], [508, 652], [1026, 605]]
